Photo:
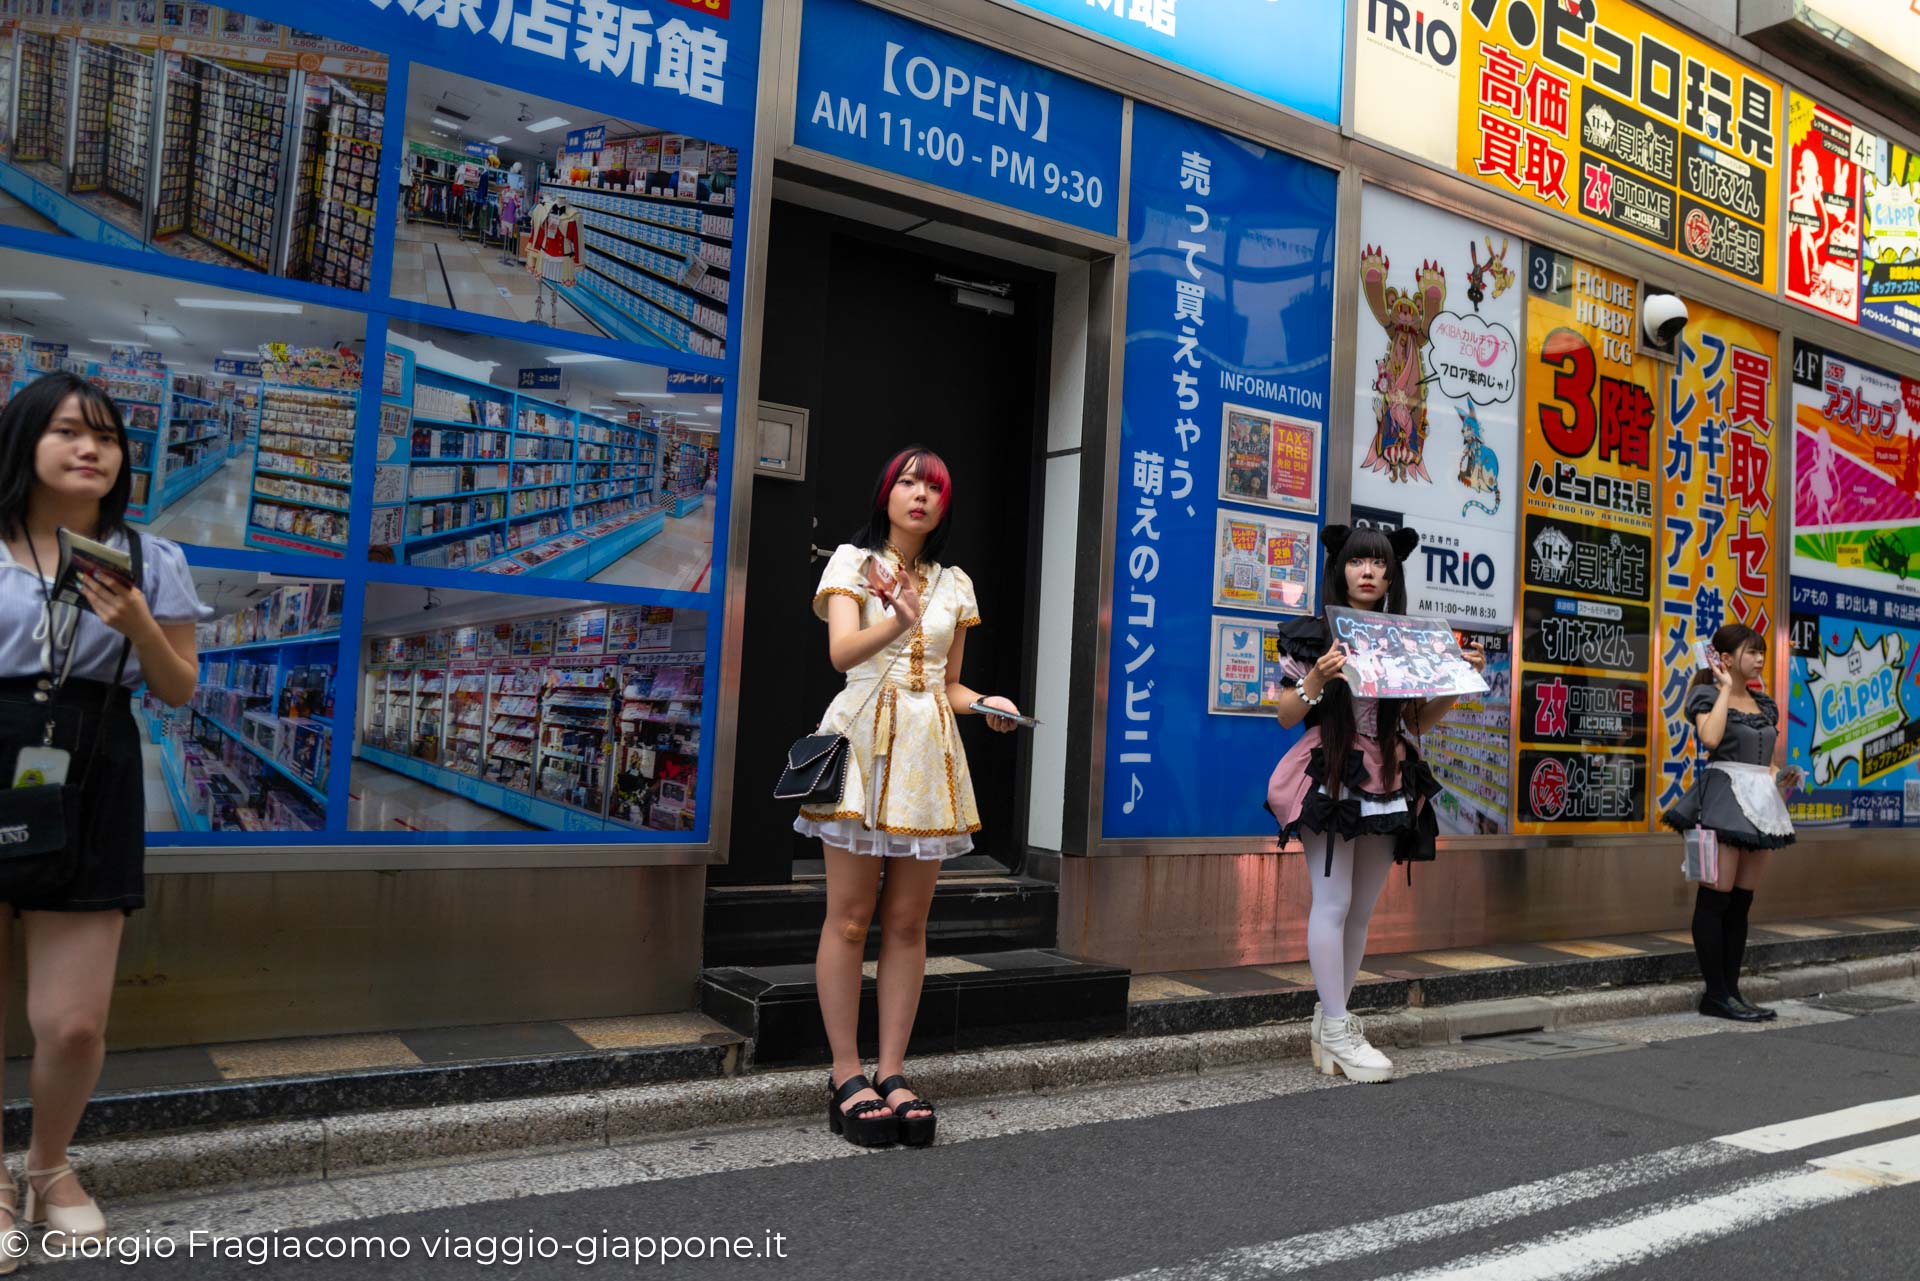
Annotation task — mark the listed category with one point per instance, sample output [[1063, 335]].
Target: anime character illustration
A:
[[1807, 213], [1494, 268], [1400, 393], [1479, 465], [1821, 478]]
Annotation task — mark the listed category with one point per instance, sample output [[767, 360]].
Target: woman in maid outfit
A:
[[1737, 797], [1353, 790]]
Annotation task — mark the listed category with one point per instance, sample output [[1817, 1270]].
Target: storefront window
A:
[[430, 388]]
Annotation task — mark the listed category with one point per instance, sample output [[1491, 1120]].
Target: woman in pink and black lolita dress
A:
[[1353, 790]]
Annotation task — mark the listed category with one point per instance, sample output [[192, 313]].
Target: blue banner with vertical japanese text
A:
[[1222, 467]]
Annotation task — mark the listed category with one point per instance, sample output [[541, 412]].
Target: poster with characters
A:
[[1588, 568], [1890, 226], [1269, 458], [1264, 563], [1398, 656], [1824, 160], [1437, 446], [1856, 483], [1853, 707]]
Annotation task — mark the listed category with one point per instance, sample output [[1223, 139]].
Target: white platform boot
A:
[[1313, 1035], [1344, 1051]]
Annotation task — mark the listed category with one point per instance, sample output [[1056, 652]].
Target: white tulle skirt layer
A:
[[852, 834]]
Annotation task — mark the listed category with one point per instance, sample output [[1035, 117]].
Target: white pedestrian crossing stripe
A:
[[1618, 1242]]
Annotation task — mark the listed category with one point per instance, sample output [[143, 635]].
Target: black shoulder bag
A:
[[38, 823], [816, 768]]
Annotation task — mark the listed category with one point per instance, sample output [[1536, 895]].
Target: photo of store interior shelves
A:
[[643, 251], [253, 751], [488, 712], [197, 373], [599, 474], [262, 165]]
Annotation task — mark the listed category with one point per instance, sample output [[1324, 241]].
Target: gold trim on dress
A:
[[965, 623], [848, 592]]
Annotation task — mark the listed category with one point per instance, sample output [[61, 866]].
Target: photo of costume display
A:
[[507, 459], [266, 164], [522, 208], [252, 752], [488, 712], [239, 409]]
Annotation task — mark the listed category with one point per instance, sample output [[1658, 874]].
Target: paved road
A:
[[1661, 1153]]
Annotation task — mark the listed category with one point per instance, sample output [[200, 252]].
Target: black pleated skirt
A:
[[111, 841]]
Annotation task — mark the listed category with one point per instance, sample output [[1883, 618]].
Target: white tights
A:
[[1342, 907]]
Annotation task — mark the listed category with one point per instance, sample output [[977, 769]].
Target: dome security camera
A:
[[1662, 317]]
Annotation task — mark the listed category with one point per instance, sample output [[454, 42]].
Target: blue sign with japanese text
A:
[[694, 380], [1228, 352], [1853, 707], [882, 91], [594, 139], [545, 379], [1292, 52], [237, 368]]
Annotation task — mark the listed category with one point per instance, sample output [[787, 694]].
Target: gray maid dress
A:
[[1735, 794]]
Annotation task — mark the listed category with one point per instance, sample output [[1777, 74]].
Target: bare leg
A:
[[70, 966], [905, 900], [1373, 861], [853, 883]]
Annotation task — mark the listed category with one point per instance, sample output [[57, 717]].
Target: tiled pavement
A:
[[1201, 1000], [147, 1090]]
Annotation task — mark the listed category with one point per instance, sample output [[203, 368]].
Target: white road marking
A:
[[1791, 1136], [1472, 1214], [1636, 1238], [1355, 1241]]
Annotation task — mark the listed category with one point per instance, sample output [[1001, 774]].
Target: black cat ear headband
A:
[[1402, 540]]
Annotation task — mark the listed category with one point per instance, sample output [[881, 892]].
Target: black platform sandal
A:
[[857, 1122], [915, 1131]]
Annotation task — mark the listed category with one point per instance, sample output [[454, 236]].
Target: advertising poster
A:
[[1406, 76], [1229, 303], [1439, 401], [1853, 707], [1470, 751], [1856, 485], [1268, 458], [1717, 525], [332, 440], [1603, 111], [1890, 263], [1397, 656], [1588, 550], [1239, 657], [1825, 155], [1264, 563]]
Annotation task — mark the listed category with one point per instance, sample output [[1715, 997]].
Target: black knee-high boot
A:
[[1734, 928], [1710, 939]]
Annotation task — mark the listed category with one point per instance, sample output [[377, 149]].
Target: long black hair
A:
[[1337, 729], [24, 421], [930, 467]]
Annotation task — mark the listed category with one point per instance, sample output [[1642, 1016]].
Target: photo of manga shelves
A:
[[270, 137], [523, 208], [487, 713], [243, 412], [473, 712], [601, 476], [252, 752]]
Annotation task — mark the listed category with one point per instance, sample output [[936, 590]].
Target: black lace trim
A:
[[1417, 826]]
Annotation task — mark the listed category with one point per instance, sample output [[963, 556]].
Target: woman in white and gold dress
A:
[[897, 622]]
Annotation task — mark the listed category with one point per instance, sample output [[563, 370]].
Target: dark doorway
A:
[[860, 334]]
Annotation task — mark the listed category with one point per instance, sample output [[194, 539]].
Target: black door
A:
[[859, 333]]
